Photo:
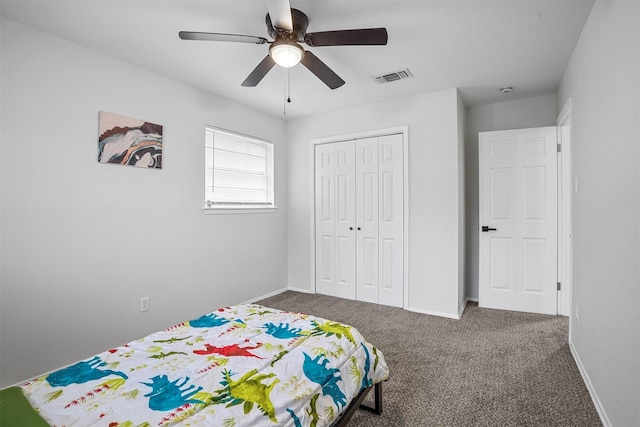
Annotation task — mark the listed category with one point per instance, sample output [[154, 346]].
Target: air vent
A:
[[392, 77]]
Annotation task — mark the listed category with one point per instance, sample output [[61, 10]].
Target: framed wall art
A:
[[126, 141]]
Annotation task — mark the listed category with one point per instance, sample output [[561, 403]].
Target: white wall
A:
[[462, 294], [603, 82], [524, 113], [82, 241], [434, 185]]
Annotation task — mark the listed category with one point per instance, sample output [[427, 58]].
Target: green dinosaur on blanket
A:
[[313, 412], [164, 355], [329, 328], [248, 390], [172, 340]]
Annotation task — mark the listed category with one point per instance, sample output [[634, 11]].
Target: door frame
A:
[[404, 130], [565, 211]]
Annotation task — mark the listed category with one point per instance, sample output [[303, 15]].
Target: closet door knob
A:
[[359, 229], [350, 228]]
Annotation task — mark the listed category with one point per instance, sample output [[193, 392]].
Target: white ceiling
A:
[[477, 46]]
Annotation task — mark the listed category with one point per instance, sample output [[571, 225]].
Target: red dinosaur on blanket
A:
[[230, 350]]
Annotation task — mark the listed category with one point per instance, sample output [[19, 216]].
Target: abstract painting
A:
[[127, 141]]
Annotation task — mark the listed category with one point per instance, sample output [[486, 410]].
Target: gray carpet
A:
[[491, 368]]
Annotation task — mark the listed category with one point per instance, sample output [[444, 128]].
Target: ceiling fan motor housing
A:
[[300, 24]]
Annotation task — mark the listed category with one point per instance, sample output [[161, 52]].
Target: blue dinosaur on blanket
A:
[[81, 372], [208, 321], [366, 381], [296, 420], [327, 377], [283, 331], [167, 395]]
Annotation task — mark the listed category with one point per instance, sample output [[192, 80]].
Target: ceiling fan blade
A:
[[259, 72], [280, 14], [220, 37], [365, 36], [321, 70]]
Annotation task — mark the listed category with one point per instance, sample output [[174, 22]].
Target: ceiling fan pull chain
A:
[[287, 94], [289, 85]]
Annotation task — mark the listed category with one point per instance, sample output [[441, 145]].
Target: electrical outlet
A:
[[144, 304], [576, 314]]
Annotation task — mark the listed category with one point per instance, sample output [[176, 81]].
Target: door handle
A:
[[486, 228]]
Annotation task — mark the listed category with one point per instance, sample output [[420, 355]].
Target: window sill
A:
[[237, 210]]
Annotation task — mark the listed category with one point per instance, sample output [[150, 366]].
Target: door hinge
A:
[[559, 147], [559, 285]]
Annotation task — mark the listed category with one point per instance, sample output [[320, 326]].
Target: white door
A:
[[335, 219], [518, 220], [359, 225], [380, 220], [391, 220], [367, 220]]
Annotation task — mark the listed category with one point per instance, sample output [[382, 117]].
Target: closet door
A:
[[335, 219], [391, 221], [359, 219], [367, 219], [380, 220], [325, 219], [345, 220]]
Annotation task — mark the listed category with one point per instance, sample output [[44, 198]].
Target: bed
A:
[[245, 365]]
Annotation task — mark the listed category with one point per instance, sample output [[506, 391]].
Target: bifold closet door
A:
[[359, 219], [335, 219], [380, 220]]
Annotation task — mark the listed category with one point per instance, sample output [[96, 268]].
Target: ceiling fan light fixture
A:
[[286, 53]]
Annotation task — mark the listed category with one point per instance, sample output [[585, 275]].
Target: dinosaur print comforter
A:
[[245, 365]]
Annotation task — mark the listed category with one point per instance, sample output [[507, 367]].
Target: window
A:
[[238, 171]]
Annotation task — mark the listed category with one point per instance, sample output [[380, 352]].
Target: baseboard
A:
[[592, 392], [270, 294], [279, 291], [415, 310], [304, 291], [464, 305], [433, 313]]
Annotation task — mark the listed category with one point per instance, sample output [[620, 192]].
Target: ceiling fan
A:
[[288, 28]]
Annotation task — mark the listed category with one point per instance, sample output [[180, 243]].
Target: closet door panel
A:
[[325, 219], [367, 248], [345, 220], [391, 220]]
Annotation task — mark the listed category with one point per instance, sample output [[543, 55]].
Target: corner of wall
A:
[[461, 115]]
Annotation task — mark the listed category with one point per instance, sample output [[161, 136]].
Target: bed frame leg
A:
[[377, 401], [358, 403]]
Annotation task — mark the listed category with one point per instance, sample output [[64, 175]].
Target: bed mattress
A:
[[245, 365]]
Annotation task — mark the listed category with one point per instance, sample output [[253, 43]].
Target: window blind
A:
[[238, 170]]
